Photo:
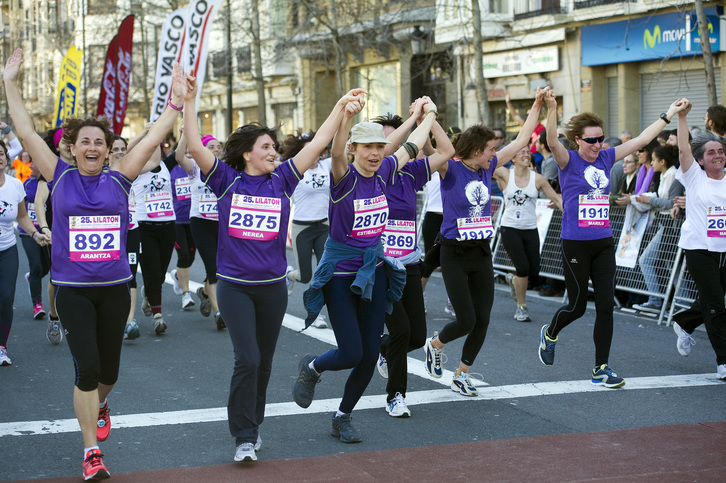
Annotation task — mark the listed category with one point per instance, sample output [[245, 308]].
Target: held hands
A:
[[678, 106], [179, 82], [549, 98], [539, 97], [680, 201], [12, 66], [353, 102], [41, 239]]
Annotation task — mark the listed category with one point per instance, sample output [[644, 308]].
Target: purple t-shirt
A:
[[466, 196], [181, 191], [399, 238], [359, 210], [89, 227], [253, 219], [585, 204]]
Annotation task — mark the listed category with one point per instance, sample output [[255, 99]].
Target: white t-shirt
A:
[[433, 194], [154, 200], [521, 203], [12, 194], [204, 201], [704, 199], [312, 194]]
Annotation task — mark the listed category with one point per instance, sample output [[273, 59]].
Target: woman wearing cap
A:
[[351, 274], [254, 208], [588, 249], [466, 256], [89, 262]]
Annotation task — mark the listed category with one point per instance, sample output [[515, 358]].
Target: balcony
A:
[[578, 4], [534, 8]]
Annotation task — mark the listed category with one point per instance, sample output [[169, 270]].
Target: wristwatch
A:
[[665, 117]]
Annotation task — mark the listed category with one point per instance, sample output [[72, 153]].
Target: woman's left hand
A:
[[645, 199]]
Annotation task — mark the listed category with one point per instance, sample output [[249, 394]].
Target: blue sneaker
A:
[[604, 376], [303, 390], [433, 359], [546, 347]]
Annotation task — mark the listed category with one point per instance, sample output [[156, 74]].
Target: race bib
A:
[[254, 217], [369, 217], [399, 238], [183, 189], [479, 228], [208, 207], [132, 214], [716, 222], [31, 213], [593, 210], [94, 238], [158, 204]]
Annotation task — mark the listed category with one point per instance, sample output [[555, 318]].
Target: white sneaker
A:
[[288, 281], [53, 333], [684, 342], [187, 301], [449, 309], [245, 452], [464, 385], [145, 307], [258, 444], [510, 282], [382, 366], [320, 322], [177, 287], [4, 359], [397, 407], [721, 371], [131, 331], [522, 314], [434, 359], [159, 324]]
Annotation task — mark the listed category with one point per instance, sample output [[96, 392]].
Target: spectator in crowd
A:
[[715, 119], [625, 136]]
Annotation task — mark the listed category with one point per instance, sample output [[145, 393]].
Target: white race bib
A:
[[94, 238], [208, 207], [369, 217], [593, 210], [399, 238], [479, 228], [183, 189], [254, 217], [716, 222], [159, 204]]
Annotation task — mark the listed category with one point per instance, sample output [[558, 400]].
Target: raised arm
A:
[[399, 135], [512, 111], [444, 149], [138, 138], [561, 155], [14, 146], [134, 161], [649, 133], [181, 157], [203, 156], [542, 184], [525, 134], [338, 156], [419, 135], [24, 222], [310, 153], [684, 147], [33, 143]]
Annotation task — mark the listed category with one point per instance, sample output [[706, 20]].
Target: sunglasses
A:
[[594, 140]]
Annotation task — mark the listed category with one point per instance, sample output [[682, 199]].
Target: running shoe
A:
[[103, 427], [27, 281], [464, 385], [258, 444], [434, 358], [510, 282], [397, 407], [522, 314], [159, 324], [449, 309], [219, 321], [175, 279], [187, 302], [721, 371], [343, 429], [132, 331], [205, 305], [54, 334], [288, 281], [245, 453], [38, 312], [303, 390], [4, 359], [648, 308], [546, 347], [93, 467], [605, 376], [320, 322], [382, 366], [685, 340], [145, 307]]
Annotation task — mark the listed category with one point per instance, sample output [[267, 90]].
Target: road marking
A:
[[209, 415]]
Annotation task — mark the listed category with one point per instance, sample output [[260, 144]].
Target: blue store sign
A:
[[653, 37]]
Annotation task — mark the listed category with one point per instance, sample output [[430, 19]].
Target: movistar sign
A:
[[655, 37]]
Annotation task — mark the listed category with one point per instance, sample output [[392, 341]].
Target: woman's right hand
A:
[[623, 201], [550, 99], [12, 66]]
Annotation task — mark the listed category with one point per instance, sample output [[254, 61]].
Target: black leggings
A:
[[523, 249], [94, 319], [133, 240], [9, 264], [184, 245], [306, 239], [430, 228], [39, 264], [157, 245], [406, 332], [469, 279], [253, 314], [206, 236], [708, 271], [593, 259]]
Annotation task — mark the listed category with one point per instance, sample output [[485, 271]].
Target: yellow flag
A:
[[68, 86]]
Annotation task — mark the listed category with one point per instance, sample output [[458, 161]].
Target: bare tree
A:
[[707, 56], [481, 87], [257, 55]]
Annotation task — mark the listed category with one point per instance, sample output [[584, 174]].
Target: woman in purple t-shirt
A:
[[588, 250], [253, 202], [89, 248]]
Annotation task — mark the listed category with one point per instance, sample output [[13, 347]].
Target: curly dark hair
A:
[[475, 138], [242, 140], [577, 124], [393, 120], [293, 144], [667, 153], [71, 128], [4, 148]]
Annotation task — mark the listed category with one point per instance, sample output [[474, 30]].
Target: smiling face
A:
[[367, 157], [589, 151], [3, 161], [215, 147], [118, 150], [523, 158], [261, 160], [90, 150], [713, 160], [25, 157]]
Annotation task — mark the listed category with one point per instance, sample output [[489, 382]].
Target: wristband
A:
[[176, 108], [436, 113], [43, 228], [34, 233], [411, 149], [7, 130]]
